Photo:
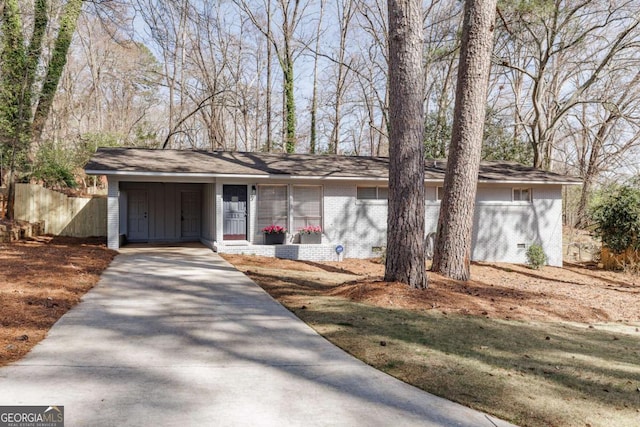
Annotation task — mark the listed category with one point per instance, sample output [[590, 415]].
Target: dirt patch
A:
[[577, 292], [40, 280]]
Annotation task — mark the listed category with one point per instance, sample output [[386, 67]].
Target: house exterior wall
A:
[[113, 213], [503, 229], [357, 225]]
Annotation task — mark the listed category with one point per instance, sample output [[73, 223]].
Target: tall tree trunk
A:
[[11, 187], [68, 24], [346, 11], [592, 170], [15, 94], [455, 224], [290, 106], [405, 260], [313, 140], [269, 59], [41, 19]]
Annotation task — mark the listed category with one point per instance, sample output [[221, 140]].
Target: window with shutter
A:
[[272, 206], [307, 206]]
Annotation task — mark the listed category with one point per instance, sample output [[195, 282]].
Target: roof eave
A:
[[303, 177], [526, 182], [228, 175]]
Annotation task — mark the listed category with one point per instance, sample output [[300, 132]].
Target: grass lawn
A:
[[544, 371]]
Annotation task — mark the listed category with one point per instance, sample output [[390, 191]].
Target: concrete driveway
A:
[[175, 336]]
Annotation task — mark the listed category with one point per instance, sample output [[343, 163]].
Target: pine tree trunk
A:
[[405, 260], [455, 224]]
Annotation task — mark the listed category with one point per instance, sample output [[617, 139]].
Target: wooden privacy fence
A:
[[63, 215]]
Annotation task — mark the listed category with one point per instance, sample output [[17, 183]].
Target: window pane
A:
[[307, 206], [383, 193], [366, 193], [272, 206], [440, 192], [522, 195]]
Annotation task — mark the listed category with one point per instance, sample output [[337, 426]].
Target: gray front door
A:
[[234, 198], [138, 216], [190, 214]]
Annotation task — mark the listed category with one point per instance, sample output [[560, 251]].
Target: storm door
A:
[[234, 198]]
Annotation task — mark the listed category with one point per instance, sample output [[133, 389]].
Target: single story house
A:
[[224, 200]]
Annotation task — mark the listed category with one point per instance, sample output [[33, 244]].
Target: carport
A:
[[160, 211]]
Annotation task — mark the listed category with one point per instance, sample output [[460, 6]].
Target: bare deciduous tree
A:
[[557, 52], [286, 48], [313, 137]]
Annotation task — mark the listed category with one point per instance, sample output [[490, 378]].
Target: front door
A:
[[138, 217], [190, 214], [234, 198]]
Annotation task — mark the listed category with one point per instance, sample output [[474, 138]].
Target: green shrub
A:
[[54, 167], [617, 219], [536, 258]]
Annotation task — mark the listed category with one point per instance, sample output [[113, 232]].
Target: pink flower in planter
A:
[[310, 229], [274, 229]]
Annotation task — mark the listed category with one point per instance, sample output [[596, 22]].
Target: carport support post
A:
[[113, 213], [219, 213]]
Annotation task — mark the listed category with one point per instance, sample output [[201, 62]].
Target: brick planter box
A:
[[310, 238]]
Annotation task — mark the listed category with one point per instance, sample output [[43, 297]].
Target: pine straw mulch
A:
[[40, 280], [577, 292]]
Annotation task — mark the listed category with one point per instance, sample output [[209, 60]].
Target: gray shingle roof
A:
[[110, 161]]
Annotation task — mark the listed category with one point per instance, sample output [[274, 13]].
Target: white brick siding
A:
[[303, 252], [358, 225], [502, 229], [219, 214], [500, 225], [113, 213]]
